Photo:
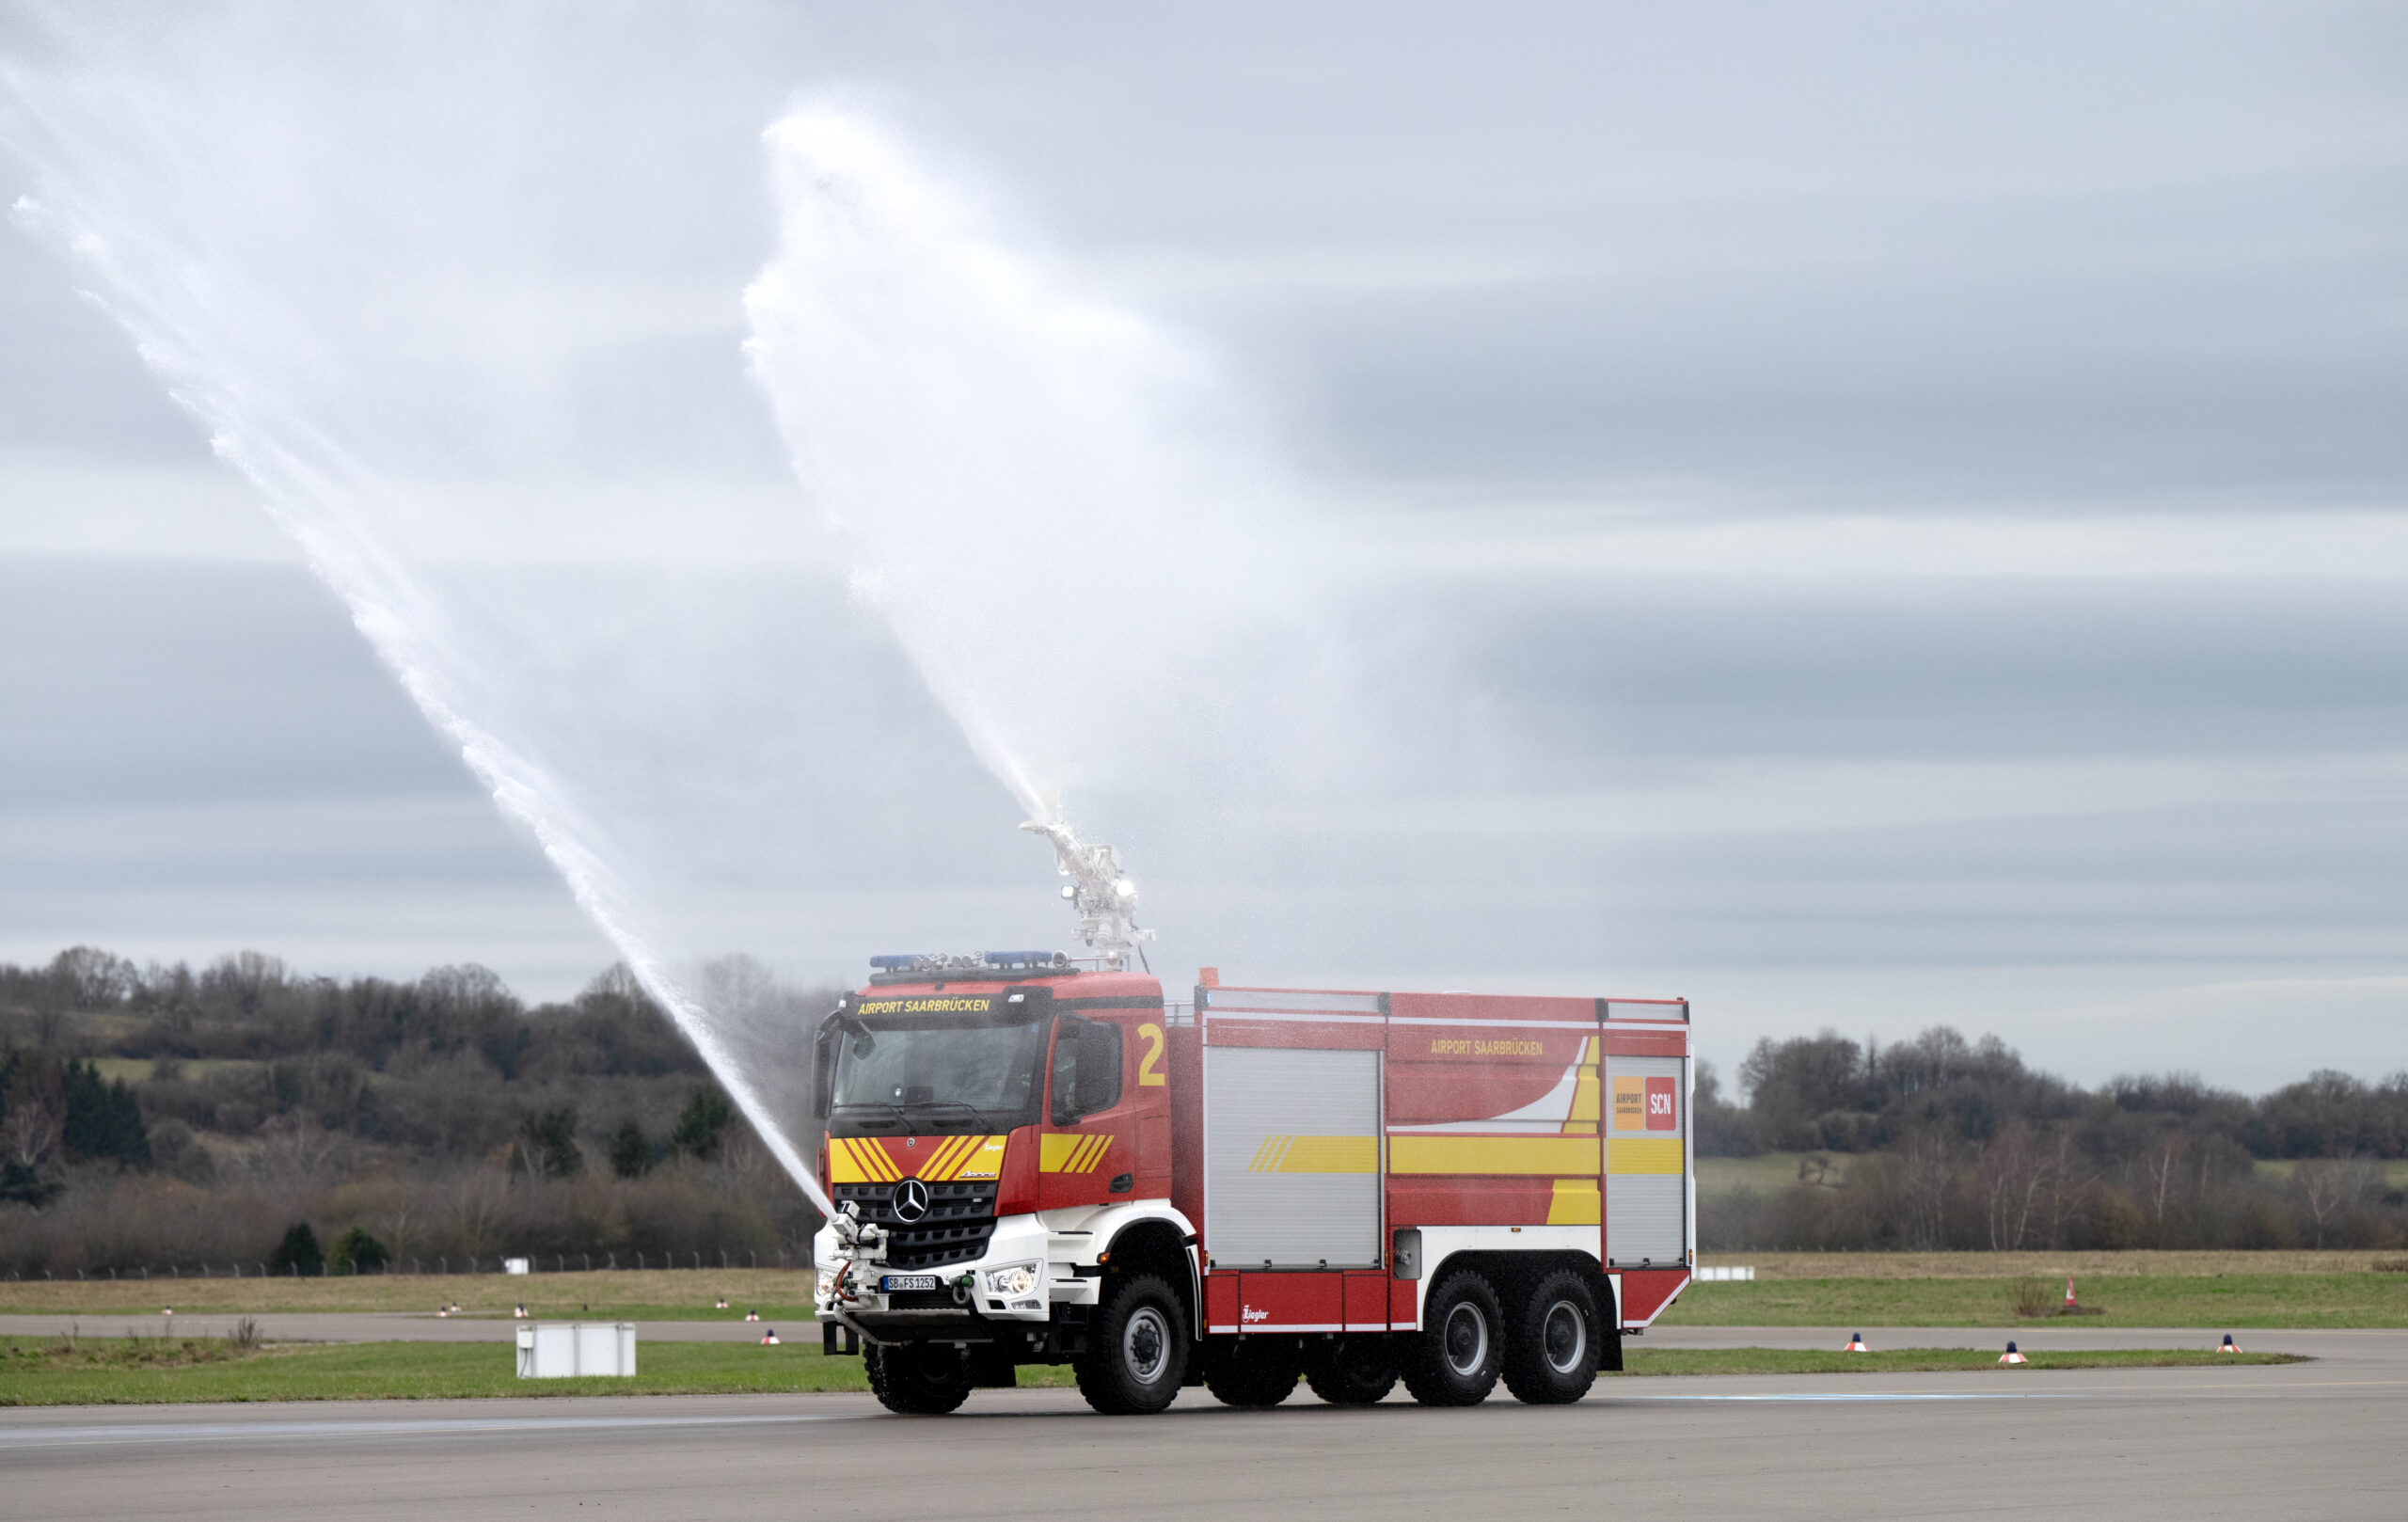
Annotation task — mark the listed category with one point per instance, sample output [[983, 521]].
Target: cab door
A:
[[1087, 1146]]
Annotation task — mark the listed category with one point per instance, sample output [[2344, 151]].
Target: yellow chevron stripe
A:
[[1657, 1154], [1442, 1154], [1054, 1152], [883, 1159], [1094, 1156], [1576, 1202], [947, 1158], [1262, 1155]]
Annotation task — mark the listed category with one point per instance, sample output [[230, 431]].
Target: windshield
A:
[[948, 1071]]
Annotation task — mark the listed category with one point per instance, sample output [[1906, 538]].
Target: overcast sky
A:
[[1898, 512]]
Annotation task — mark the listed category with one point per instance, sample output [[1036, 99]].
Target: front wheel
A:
[[925, 1379], [1457, 1360], [1138, 1356]]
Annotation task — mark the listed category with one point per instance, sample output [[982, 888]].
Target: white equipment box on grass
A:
[[577, 1349]]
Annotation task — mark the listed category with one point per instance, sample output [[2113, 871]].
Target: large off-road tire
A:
[[1456, 1357], [1258, 1372], [1136, 1354], [1354, 1370], [1552, 1341], [925, 1379]]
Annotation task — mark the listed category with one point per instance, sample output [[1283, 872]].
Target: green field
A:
[[1769, 1171], [2210, 1302], [115, 1372], [654, 1294]]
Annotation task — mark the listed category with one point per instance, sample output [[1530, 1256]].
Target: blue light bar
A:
[[1023, 959], [895, 964]]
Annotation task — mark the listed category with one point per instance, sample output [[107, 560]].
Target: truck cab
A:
[[997, 1128]]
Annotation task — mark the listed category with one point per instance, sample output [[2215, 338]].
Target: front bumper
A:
[[1060, 1264]]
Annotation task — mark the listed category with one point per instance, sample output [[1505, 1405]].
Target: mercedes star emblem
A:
[[911, 1200]]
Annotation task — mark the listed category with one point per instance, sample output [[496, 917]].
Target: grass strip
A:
[[116, 1371], [47, 1371], [649, 1294]]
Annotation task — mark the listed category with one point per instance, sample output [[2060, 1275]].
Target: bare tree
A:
[[478, 1207], [2163, 1167], [2321, 1185], [31, 1132], [2014, 1174]]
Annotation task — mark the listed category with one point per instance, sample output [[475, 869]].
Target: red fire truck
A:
[[1036, 1164]]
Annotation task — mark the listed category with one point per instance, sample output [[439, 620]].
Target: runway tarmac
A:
[[2315, 1440]]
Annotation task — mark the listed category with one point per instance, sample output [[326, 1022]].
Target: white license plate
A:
[[893, 1282]]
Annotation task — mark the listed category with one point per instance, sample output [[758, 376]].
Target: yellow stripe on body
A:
[[1442, 1154], [1323, 1154], [1583, 1119], [1659, 1154], [1576, 1202]]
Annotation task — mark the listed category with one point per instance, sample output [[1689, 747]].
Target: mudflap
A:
[[836, 1340]]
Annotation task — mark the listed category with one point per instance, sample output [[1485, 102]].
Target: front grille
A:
[[961, 1218]]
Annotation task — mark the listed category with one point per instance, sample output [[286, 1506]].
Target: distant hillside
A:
[[157, 1115]]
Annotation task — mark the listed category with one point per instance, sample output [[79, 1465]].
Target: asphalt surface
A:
[[2314, 1440]]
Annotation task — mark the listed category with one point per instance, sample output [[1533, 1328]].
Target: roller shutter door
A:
[[1646, 1160], [1292, 1157]]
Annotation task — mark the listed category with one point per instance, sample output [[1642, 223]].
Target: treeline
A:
[[1944, 1143], [158, 1115]]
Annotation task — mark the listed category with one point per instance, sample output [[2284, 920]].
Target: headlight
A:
[[1012, 1279]]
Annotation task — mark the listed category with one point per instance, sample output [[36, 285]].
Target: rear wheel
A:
[[1252, 1370], [1460, 1350], [1137, 1354], [1353, 1372], [1551, 1348], [924, 1379]]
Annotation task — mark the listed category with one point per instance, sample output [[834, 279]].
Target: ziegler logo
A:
[[1247, 1313]]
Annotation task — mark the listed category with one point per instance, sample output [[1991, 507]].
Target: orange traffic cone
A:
[[2010, 1355], [751, 1315], [770, 1340], [722, 1303], [1856, 1343], [2230, 1345], [521, 1314], [2070, 1306]]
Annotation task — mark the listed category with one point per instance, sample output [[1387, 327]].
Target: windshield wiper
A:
[[977, 1114]]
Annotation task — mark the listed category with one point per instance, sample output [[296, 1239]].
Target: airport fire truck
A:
[[1036, 1161]]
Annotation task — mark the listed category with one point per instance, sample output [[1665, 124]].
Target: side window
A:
[[1098, 1067], [1065, 1070]]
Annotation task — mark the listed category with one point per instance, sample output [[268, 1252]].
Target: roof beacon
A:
[[1105, 899]]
